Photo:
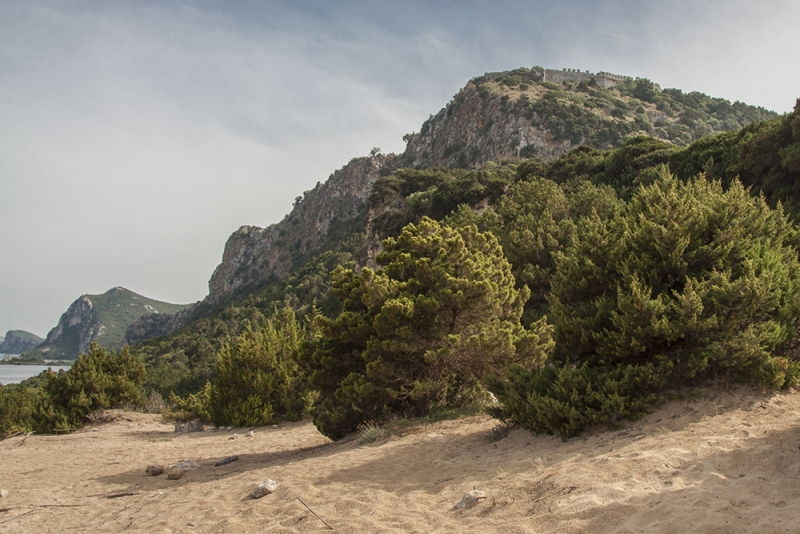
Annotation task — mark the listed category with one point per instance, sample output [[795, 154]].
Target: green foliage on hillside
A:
[[764, 156], [421, 331], [184, 362], [586, 114]]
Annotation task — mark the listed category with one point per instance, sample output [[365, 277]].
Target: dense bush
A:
[[688, 282], [421, 331], [15, 410], [256, 380], [97, 380]]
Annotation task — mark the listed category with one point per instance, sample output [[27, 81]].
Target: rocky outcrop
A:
[[480, 124], [254, 254], [469, 131], [19, 341]]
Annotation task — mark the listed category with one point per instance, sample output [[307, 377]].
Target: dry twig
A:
[[315, 513]]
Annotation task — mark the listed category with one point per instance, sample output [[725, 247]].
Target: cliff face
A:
[[481, 125], [254, 254], [470, 131], [19, 341], [102, 318]]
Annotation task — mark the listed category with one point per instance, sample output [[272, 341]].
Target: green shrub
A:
[[257, 380], [194, 406], [97, 380], [420, 332], [16, 405], [687, 283], [564, 400]]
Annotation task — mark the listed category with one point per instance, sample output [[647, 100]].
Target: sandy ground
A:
[[726, 462]]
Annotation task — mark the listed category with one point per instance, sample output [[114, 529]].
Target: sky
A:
[[135, 137]]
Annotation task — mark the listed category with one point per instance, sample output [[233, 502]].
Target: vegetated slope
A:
[[103, 318], [495, 117], [344, 219], [19, 341]]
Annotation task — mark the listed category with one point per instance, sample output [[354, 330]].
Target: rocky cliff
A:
[[19, 341], [497, 116], [254, 254], [468, 132], [102, 318]]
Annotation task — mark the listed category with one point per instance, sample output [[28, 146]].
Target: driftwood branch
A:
[[315, 513]]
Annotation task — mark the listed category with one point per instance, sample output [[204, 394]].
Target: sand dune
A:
[[726, 462]]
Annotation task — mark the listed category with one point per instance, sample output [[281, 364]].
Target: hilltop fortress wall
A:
[[604, 79]]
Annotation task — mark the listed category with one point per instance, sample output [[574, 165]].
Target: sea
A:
[[14, 374]]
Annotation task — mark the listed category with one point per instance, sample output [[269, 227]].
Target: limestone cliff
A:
[[254, 254], [468, 132], [18, 341], [481, 125]]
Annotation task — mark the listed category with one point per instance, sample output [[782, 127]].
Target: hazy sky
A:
[[135, 137]]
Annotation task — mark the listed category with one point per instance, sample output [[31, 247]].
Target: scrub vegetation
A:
[[577, 291]]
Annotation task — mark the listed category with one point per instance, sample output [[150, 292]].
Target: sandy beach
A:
[[724, 462]]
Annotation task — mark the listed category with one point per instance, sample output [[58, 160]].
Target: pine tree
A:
[[422, 330]]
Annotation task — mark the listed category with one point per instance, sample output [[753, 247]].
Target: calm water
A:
[[14, 374]]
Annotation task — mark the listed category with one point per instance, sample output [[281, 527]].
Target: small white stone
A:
[[265, 488], [235, 436], [470, 499], [3, 494], [250, 434]]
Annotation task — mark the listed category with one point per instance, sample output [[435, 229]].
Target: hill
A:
[[102, 318], [525, 113], [495, 117], [499, 116], [19, 341]]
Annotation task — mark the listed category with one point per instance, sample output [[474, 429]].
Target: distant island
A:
[[18, 342]]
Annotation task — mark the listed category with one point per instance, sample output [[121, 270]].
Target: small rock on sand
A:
[[176, 473], [470, 499], [235, 436], [265, 488], [186, 465], [227, 460], [250, 434], [3, 494], [191, 426], [154, 470]]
